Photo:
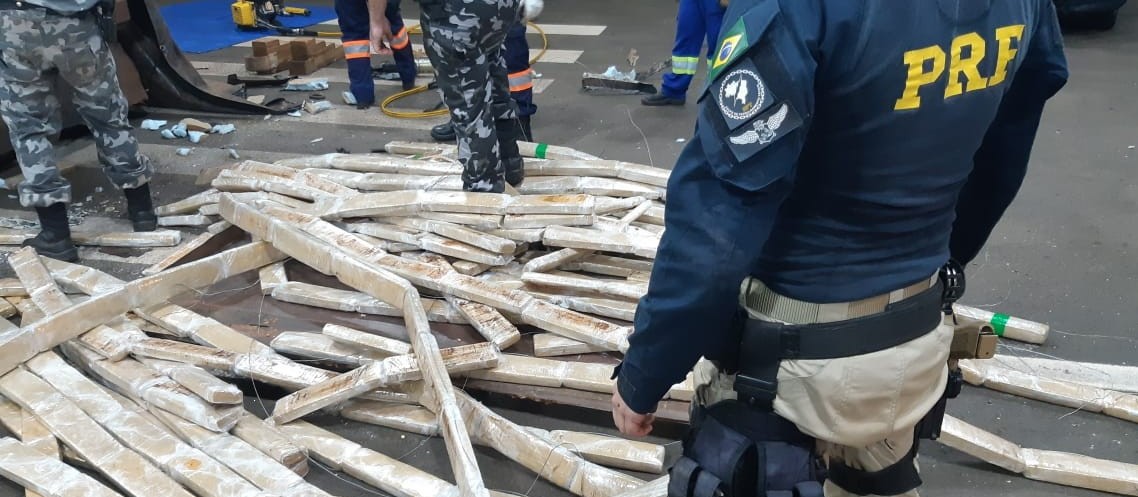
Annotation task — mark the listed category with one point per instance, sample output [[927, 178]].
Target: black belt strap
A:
[[765, 344], [895, 479]]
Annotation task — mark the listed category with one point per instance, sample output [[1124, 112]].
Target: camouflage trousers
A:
[[37, 48], [464, 43]]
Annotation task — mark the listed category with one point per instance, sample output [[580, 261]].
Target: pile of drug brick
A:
[[298, 57], [110, 376]]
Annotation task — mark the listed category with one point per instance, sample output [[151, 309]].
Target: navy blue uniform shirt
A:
[[844, 149]]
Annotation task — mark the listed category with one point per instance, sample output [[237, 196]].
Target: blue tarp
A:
[[202, 26]]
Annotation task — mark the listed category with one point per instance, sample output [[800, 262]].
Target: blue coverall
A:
[[521, 76], [355, 31], [844, 149], [697, 20]]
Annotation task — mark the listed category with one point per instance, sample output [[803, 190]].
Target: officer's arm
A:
[[1001, 162], [713, 234]]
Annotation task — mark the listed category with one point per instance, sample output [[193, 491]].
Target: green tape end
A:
[[999, 322], [540, 151]]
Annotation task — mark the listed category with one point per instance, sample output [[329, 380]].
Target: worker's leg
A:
[[352, 16], [401, 46], [462, 39], [521, 76], [89, 69], [690, 32], [713, 23], [31, 112]]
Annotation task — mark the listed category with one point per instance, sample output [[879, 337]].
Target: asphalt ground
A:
[[1064, 253]]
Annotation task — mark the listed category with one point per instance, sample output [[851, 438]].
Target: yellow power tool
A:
[[262, 14]]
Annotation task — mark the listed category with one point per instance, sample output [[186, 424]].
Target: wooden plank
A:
[[19, 346], [125, 468], [44, 475], [378, 374], [190, 467]]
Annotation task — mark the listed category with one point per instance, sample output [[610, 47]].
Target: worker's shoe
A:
[[444, 132], [508, 131], [661, 99], [140, 208], [54, 238]]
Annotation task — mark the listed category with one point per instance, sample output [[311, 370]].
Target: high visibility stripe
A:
[[521, 80], [400, 40], [684, 65], [357, 49]]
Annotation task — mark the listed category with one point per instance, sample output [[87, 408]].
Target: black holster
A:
[[736, 450]]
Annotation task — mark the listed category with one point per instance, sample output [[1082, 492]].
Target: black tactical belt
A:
[[764, 343]]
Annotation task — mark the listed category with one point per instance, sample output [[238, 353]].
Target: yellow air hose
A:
[[385, 105]]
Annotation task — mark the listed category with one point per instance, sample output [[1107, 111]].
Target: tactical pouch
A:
[[735, 450]]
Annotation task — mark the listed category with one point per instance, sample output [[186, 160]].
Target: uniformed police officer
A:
[[41, 40], [844, 152], [516, 53], [464, 42], [355, 23], [696, 21]]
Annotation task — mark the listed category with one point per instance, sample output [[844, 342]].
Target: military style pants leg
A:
[[37, 48], [30, 109], [464, 41], [91, 73]]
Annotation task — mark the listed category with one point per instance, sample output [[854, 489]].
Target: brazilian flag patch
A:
[[734, 43]]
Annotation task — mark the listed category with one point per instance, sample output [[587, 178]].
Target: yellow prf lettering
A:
[[961, 66], [1004, 36], [918, 77]]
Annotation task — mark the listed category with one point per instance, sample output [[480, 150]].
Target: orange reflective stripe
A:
[[521, 80], [357, 49], [400, 40]]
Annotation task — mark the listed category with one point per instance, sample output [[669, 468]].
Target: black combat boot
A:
[[660, 99], [444, 132], [140, 208], [54, 238], [509, 130]]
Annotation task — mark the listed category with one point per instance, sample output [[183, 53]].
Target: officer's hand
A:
[[628, 421], [380, 34]]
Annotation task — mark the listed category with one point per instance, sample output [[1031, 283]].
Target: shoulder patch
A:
[[734, 43], [764, 130], [742, 94]]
